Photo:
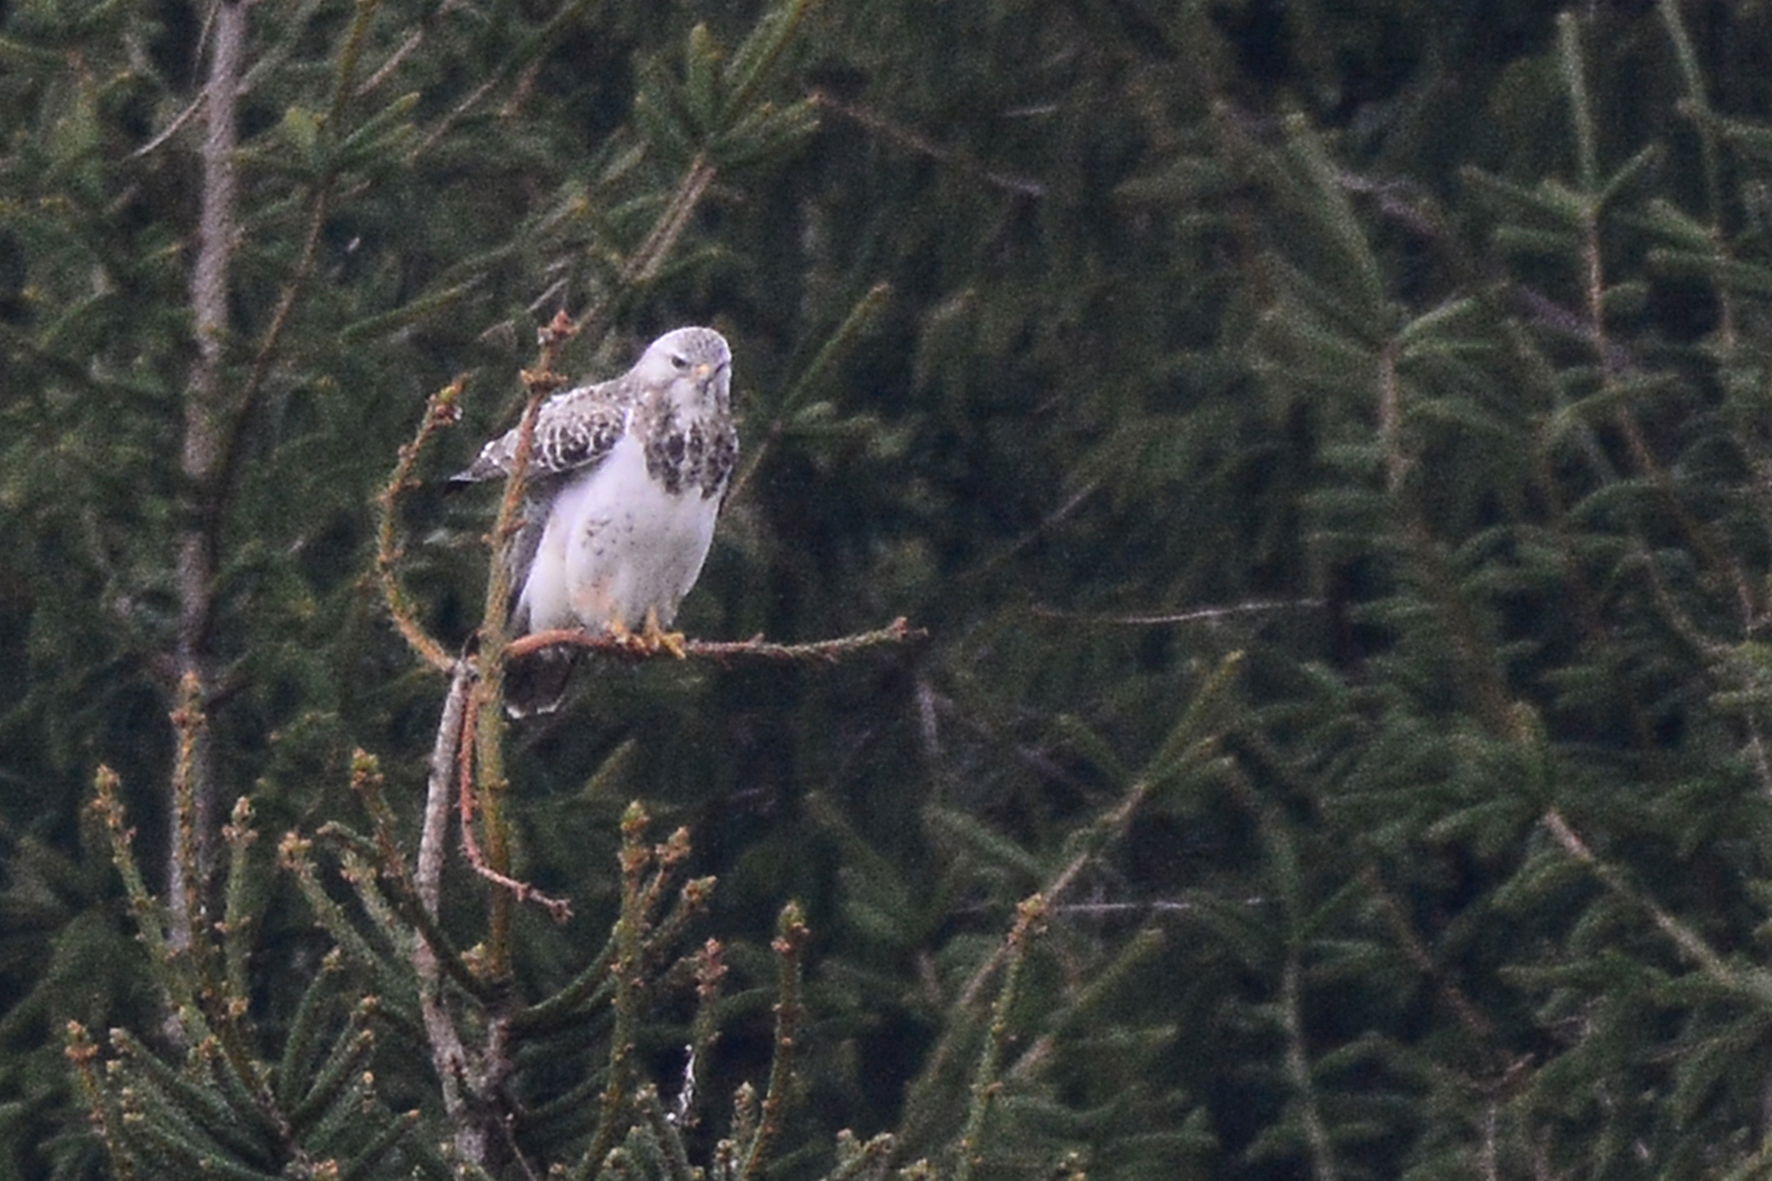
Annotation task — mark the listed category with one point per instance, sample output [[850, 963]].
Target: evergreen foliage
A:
[[1324, 448]]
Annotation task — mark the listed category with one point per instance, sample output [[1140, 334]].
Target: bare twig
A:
[[1298, 1068], [921, 144], [559, 909], [448, 1056], [171, 129], [899, 631], [1164, 619], [431, 840]]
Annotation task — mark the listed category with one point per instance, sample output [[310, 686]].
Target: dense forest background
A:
[[1328, 449]]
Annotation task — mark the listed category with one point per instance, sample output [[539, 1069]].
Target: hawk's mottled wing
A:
[[573, 429]]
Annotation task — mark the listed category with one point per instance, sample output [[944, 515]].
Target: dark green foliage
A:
[[1326, 444]]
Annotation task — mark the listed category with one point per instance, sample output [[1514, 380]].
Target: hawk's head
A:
[[693, 363]]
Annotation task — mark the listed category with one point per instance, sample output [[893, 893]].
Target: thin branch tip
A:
[[899, 631]]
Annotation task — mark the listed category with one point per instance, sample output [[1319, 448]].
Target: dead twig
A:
[[899, 631]]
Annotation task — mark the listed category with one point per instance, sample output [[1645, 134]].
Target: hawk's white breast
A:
[[617, 545]]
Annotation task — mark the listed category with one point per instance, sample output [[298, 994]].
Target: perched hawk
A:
[[625, 479]]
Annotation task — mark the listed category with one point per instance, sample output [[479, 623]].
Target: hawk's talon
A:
[[653, 637], [650, 638], [625, 637]]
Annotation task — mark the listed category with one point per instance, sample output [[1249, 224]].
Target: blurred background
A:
[[1327, 446]]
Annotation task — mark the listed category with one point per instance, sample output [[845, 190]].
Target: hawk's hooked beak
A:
[[704, 370]]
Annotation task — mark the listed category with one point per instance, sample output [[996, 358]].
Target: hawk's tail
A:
[[536, 684]]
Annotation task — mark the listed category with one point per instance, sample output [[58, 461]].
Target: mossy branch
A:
[[487, 707], [443, 409]]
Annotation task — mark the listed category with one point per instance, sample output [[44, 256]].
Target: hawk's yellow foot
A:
[[653, 637]]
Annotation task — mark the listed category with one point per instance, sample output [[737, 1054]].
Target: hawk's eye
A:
[[678, 361]]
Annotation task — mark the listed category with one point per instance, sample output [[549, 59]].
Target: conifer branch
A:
[[630, 985], [398, 1129], [150, 919], [691, 904], [296, 854], [442, 409], [237, 921], [190, 726], [710, 975], [290, 1079], [666, 1136], [362, 860], [868, 1160], [531, 49], [830, 354], [1476, 1024], [918, 143], [208, 1013], [789, 946], [487, 708], [1188, 742], [1298, 1065], [592, 983], [337, 1073], [644, 264], [1030, 921], [1690, 944], [102, 1112], [1091, 997], [367, 782], [1482, 679], [1715, 553], [753, 66], [1704, 124]]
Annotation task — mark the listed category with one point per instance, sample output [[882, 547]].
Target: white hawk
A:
[[625, 480]]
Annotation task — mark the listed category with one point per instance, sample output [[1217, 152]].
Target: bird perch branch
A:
[[899, 631]]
